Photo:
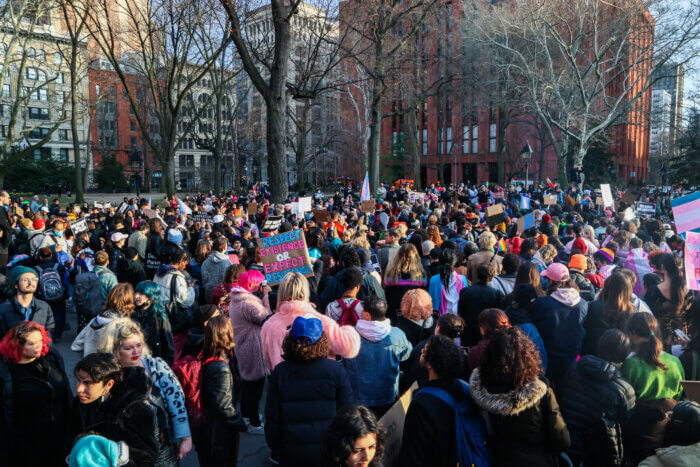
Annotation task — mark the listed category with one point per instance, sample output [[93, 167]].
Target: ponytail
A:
[[645, 325]]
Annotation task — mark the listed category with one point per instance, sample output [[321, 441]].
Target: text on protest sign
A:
[[494, 215], [648, 209], [367, 206], [304, 204], [199, 216], [272, 223], [79, 226], [607, 195], [550, 199], [284, 253]]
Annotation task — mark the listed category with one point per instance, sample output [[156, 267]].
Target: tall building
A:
[[37, 98], [460, 130], [671, 78]]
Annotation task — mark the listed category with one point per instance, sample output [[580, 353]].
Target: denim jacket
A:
[[374, 373]]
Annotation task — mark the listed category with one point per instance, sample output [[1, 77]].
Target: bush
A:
[[30, 176]]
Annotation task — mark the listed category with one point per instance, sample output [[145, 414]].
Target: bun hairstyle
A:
[[645, 325], [451, 325]]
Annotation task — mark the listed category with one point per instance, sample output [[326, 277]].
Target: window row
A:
[[470, 140]]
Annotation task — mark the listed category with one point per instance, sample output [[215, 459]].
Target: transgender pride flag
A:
[[524, 202], [364, 195], [686, 212]]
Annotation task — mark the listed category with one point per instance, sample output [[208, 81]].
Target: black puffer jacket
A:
[[595, 402], [159, 336], [527, 426], [472, 301], [126, 415], [302, 400]]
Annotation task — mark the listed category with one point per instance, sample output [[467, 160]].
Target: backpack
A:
[[50, 287], [470, 428], [188, 371], [349, 315], [87, 294], [181, 318]]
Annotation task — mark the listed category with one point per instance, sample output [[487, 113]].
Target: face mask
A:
[[58, 233]]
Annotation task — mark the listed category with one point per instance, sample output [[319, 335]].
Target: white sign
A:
[[607, 195], [304, 204]]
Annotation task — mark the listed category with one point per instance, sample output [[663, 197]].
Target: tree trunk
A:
[[375, 139], [415, 144], [277, 149], [217, 175], [78, 181], [169, 176], [502, 127], [562, 163]]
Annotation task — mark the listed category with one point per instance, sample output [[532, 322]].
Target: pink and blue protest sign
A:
[[692, 260], [686, 212], [284, 253]]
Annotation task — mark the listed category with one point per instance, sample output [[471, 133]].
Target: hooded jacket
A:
[[10, 315], [213, 272], [86, 340], [527, 426], [333, 288], [344, 340], [248, 314], [559, 319], [595, 402], [374, 372], [127, 414]]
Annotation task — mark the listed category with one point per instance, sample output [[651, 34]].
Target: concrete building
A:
[[36, 76], [671, 78]]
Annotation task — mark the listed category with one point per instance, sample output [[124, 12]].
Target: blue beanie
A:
[[97, 451], [175, 236]]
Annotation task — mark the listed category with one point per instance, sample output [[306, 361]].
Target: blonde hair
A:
[[348, 234], [402, 230], [116, 332], [548, 252], [294, 286], [360, 241], [405, 261], [487, 240], [416, 304]]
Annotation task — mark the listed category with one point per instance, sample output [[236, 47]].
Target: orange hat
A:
[[542, 240], [578, 262]]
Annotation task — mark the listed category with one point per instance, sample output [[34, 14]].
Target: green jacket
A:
[[107, 280], [654, 383]]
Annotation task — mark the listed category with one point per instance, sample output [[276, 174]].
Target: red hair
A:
[[12, 344]]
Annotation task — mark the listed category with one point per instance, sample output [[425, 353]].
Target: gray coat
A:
[[213, 271], [10, 315]]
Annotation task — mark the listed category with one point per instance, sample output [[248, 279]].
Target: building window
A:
[[133, 142], [61, 78], [448, 145], [132, 125], [38, 113], [394, 140], [4, 130], [61, 96], [63, 154], [440, 130], [425, 141], [63, 135], [30, 73], [57, 58], [475, 139], [37, 133], [492, 137], [40, 95], [465, 139], [5, 90], [97, 89]]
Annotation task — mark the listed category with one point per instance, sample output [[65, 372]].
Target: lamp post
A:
[[526, 154]]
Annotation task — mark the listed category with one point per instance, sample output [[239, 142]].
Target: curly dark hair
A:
[[298, 352], [444, 356], [349, 424], [510, 359]]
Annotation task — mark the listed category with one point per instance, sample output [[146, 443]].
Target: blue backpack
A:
[[472, 447]]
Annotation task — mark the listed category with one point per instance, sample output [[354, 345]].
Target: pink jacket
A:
[[344, 340], [247, 313]]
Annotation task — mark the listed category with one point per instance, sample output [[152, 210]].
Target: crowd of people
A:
[[564, 341]]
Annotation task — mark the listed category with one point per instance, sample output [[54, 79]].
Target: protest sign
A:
[[121, 209], [201, 216], [151, 214], [628, 214], [550, 199], [494, 215], [367, 206], [645, 209], [79, 226], [272, 223], [393, 422], [607, 195], [321, 216], [599, 201], [252, 208], [295, 207], [525, 222], [629, 198], [304, 204], [412, 197], [686, 212], [106, 205], [692, 260], [284, 253]]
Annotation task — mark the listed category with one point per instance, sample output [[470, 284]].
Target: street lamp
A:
[[526, 154]]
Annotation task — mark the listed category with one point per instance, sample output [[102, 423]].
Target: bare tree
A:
[[171, 45], [588, 65], [23, 80]]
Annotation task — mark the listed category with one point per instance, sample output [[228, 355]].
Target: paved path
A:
[[253, 451]]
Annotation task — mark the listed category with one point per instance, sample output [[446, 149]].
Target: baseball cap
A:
[[118, 236], [306, 329], [39, 223], [556, 272]]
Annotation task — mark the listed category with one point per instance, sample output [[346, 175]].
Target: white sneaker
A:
[[256, 430]]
